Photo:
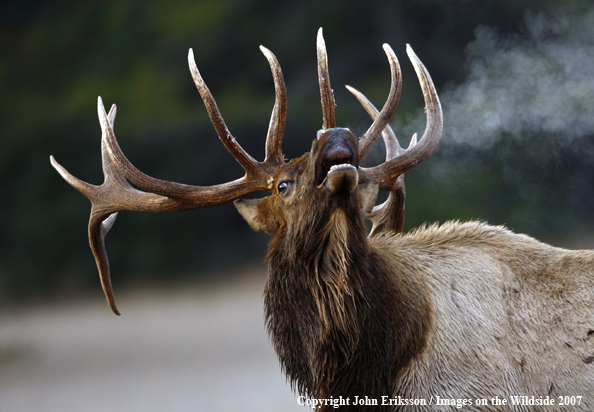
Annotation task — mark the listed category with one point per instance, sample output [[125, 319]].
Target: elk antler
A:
[[329, 119], [380, 121], [389, 216], [155, 195], [388, 171]]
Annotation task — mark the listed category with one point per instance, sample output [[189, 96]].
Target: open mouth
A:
[[334, 150]]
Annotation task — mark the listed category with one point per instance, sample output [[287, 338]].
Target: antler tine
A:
[[278, 118], [258, 174], [97, 230], [250, 165], [388, 171], [388, 216], [327, 96], [99, 225], [114, 195], [391, 142], [379, 124]]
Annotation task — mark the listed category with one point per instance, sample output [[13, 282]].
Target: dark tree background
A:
[[516, 79]]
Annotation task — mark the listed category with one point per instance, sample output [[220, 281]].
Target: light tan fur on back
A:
[[511, 315]]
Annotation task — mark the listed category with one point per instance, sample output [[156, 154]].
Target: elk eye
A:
[[283, 186]]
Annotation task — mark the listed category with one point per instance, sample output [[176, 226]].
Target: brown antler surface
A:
[[329, 118], [381, 120], [258, 175], [388, 216], [114, 195], [388, 171], [117, 194], [273, 153]]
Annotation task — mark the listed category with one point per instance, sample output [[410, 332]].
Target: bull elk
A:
[[459, 312]]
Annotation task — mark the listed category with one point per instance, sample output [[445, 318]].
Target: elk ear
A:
[[251, 210], [368, 192]]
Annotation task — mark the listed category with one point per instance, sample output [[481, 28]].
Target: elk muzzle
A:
[[335, 156]]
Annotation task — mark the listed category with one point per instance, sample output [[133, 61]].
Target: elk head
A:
[[328, 177]]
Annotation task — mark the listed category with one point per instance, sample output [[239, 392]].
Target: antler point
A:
[[389, 51], [320, 39], [191, 60], [409, 50], [352, 90], [266, 52]]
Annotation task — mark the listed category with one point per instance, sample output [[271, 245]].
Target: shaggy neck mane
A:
[[329, 302], [331, 265]]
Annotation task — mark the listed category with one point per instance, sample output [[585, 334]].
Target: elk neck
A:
[[331, 303]]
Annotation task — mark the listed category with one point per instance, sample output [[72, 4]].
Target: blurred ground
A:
[[197, 349]]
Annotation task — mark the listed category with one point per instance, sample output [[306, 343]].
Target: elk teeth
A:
[[334, 167]]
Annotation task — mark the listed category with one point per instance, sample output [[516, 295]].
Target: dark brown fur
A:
[[342, 322]]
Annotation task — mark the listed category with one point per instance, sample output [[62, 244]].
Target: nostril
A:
[[339, 154]]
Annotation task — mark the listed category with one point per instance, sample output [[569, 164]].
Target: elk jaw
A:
[[335, 156]]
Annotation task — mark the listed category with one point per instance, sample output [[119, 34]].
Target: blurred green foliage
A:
[[57, 57]]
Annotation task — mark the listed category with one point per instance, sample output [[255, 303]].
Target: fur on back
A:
[[511, 315]]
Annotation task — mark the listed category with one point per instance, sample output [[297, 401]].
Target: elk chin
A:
[[342, 178]]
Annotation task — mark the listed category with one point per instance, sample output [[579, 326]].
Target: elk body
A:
[[460, 311]]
